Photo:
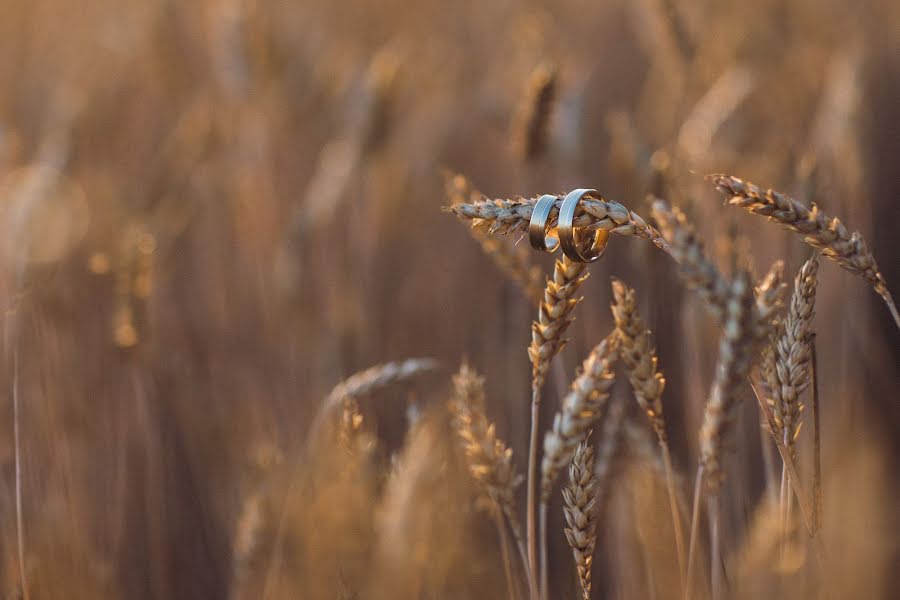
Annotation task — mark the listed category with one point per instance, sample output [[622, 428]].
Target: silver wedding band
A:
[[567, 233], [537, 227]]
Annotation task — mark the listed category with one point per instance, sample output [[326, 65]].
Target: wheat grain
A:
[[828, 235], [580, 509]]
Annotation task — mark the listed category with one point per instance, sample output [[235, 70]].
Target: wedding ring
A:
[[568, 236], [537, 227]]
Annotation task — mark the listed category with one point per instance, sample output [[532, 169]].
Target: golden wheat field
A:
[[449, 300]]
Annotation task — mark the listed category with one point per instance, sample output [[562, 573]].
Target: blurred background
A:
[[214, 211]]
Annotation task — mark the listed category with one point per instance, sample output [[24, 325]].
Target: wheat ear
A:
[[581, 408], [637, 353], [697, 270], [532, 118], [377, 378], [488, 459], [513, 260], [787, 371], [580, 509], [504, 216], [554, 316], [828, 235]]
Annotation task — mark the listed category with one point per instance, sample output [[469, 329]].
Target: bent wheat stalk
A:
[[488, 459], [828, 235], [639, 357], [554, 318], [787, 365], [504, 216]]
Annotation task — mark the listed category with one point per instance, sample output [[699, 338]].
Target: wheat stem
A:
[[504, 554], [817, 442], [531, 525], [695, 527]]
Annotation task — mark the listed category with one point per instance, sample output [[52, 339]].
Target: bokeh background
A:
[[214, 211]]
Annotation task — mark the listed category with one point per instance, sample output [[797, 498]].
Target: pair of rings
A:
[[567, 235]]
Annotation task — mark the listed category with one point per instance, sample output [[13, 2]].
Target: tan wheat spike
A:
[[737, 349], [580, 509], [769, 293], [513, 260], [696, 268], [488, 459], [639, 356], [828, 235], [554, 317], [787, 367], [378, 377], [532, 118], [581, 408], [504, 216]]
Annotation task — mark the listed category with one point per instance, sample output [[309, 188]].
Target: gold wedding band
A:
[[537, 227], [567, 233]]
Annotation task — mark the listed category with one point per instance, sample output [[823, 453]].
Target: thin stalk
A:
[[817, 442], [20, 528], [673, 506], [715, 561], [542, 529], [768, 463], [803, 501], [530, 520], [784, 499], [695, 525], [512, 588], [523, 555]]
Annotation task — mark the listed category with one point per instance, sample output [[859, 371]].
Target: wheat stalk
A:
[[828, 235], [554, 317], [488, 459], [639, 357], [504, 216], [531, 121], [580, 509]]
